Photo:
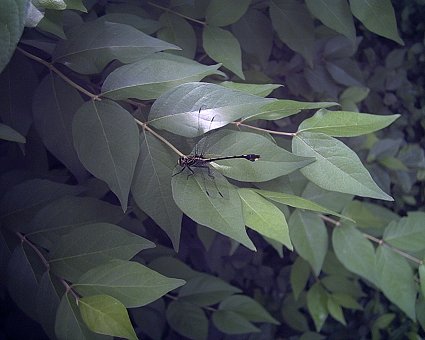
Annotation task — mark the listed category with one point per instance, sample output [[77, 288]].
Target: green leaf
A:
[[395, 278], [298, 202], [354, 251], [369, 215], [52, 23], [230, 322], [421, 271], [76, 4], [54, 106], [12, 21], [408, 233], [145, 25], [223, 47], [262, 90], [106, 139], [337, 167], [354, 94], [282, 108], [378, 16], [69, 324], [187, 319], [264, 217], [51, 4], [335, 14], [154, 75], [224, 13], [151, 186], [310, 238], [7, 133], [291, 314], [65, 214], [178, 31], [21, 202], [129, 282], [294, 26], [91, 46], [346, 301], [345, 72], [105, 315], [345, 123], [273, 162], [205, 290], [300, 273], [177, 110], [91, 245], [382, 322], [247, 308], [317, 305], [339, 282], [335, 310]]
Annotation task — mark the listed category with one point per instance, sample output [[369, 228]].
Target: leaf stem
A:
[[281, 133], [177, 13], [34, 247]]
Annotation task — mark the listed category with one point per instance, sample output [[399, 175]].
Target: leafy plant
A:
[[99, 100]]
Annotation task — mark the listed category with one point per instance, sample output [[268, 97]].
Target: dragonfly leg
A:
[[179, 172]]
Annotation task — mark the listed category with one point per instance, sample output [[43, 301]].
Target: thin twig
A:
[[36, 250], [291, 134], [177, 13]]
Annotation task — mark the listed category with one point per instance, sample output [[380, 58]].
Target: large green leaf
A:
[[345, 123], [369, 215], [230, 322], [294, 26], [177, 110], [7, 133], [396, 279], [337, 167], [106, 315], [317, 298], [223, 47], [408, 233], [62, 215], [273, 162], [264, 217], [335, 14], [130, 282], [220, 210], [310, 238], [12, 21], [69, 324], [188, 320], [106, 139], [54, 105], [378, 16], [154, 75], [354, 251], [151, 187], [224, 13], [91, 245], [91, 46]]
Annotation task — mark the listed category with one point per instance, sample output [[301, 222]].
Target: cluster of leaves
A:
[[94, 113]]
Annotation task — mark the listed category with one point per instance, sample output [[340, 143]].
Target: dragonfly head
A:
[[182, 160]]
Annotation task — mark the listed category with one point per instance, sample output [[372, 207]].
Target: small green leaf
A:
[[354, 94], [395, 278], [345, 123], [310, 238], [346, 301], [300, 273], [262, 90], [378, 16], [382, 322], [223, 47], [7, 133], [408, 233], [230, 322], [317, 305], [187, 319], [91, 245], [354, 251], [264, 217], [337, 167], [335, 310], [106, 139], [224, 13], [105, 315], [130, 282], [76, 4]]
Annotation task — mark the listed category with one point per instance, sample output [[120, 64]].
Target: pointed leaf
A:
[[177, 110], [337, 167], [421, 271], [345, 123], [105, 315], [335, 310], [230, 322], [310, 238], [224, 13], [317, 305], [151, 187], [130, 282], [54, 105], [106, 139], [91, 245], [396, 279], [7, 133], [223, 47], [262, 90], [91, 46], [300, 273], [154, 75], [264, 217]]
